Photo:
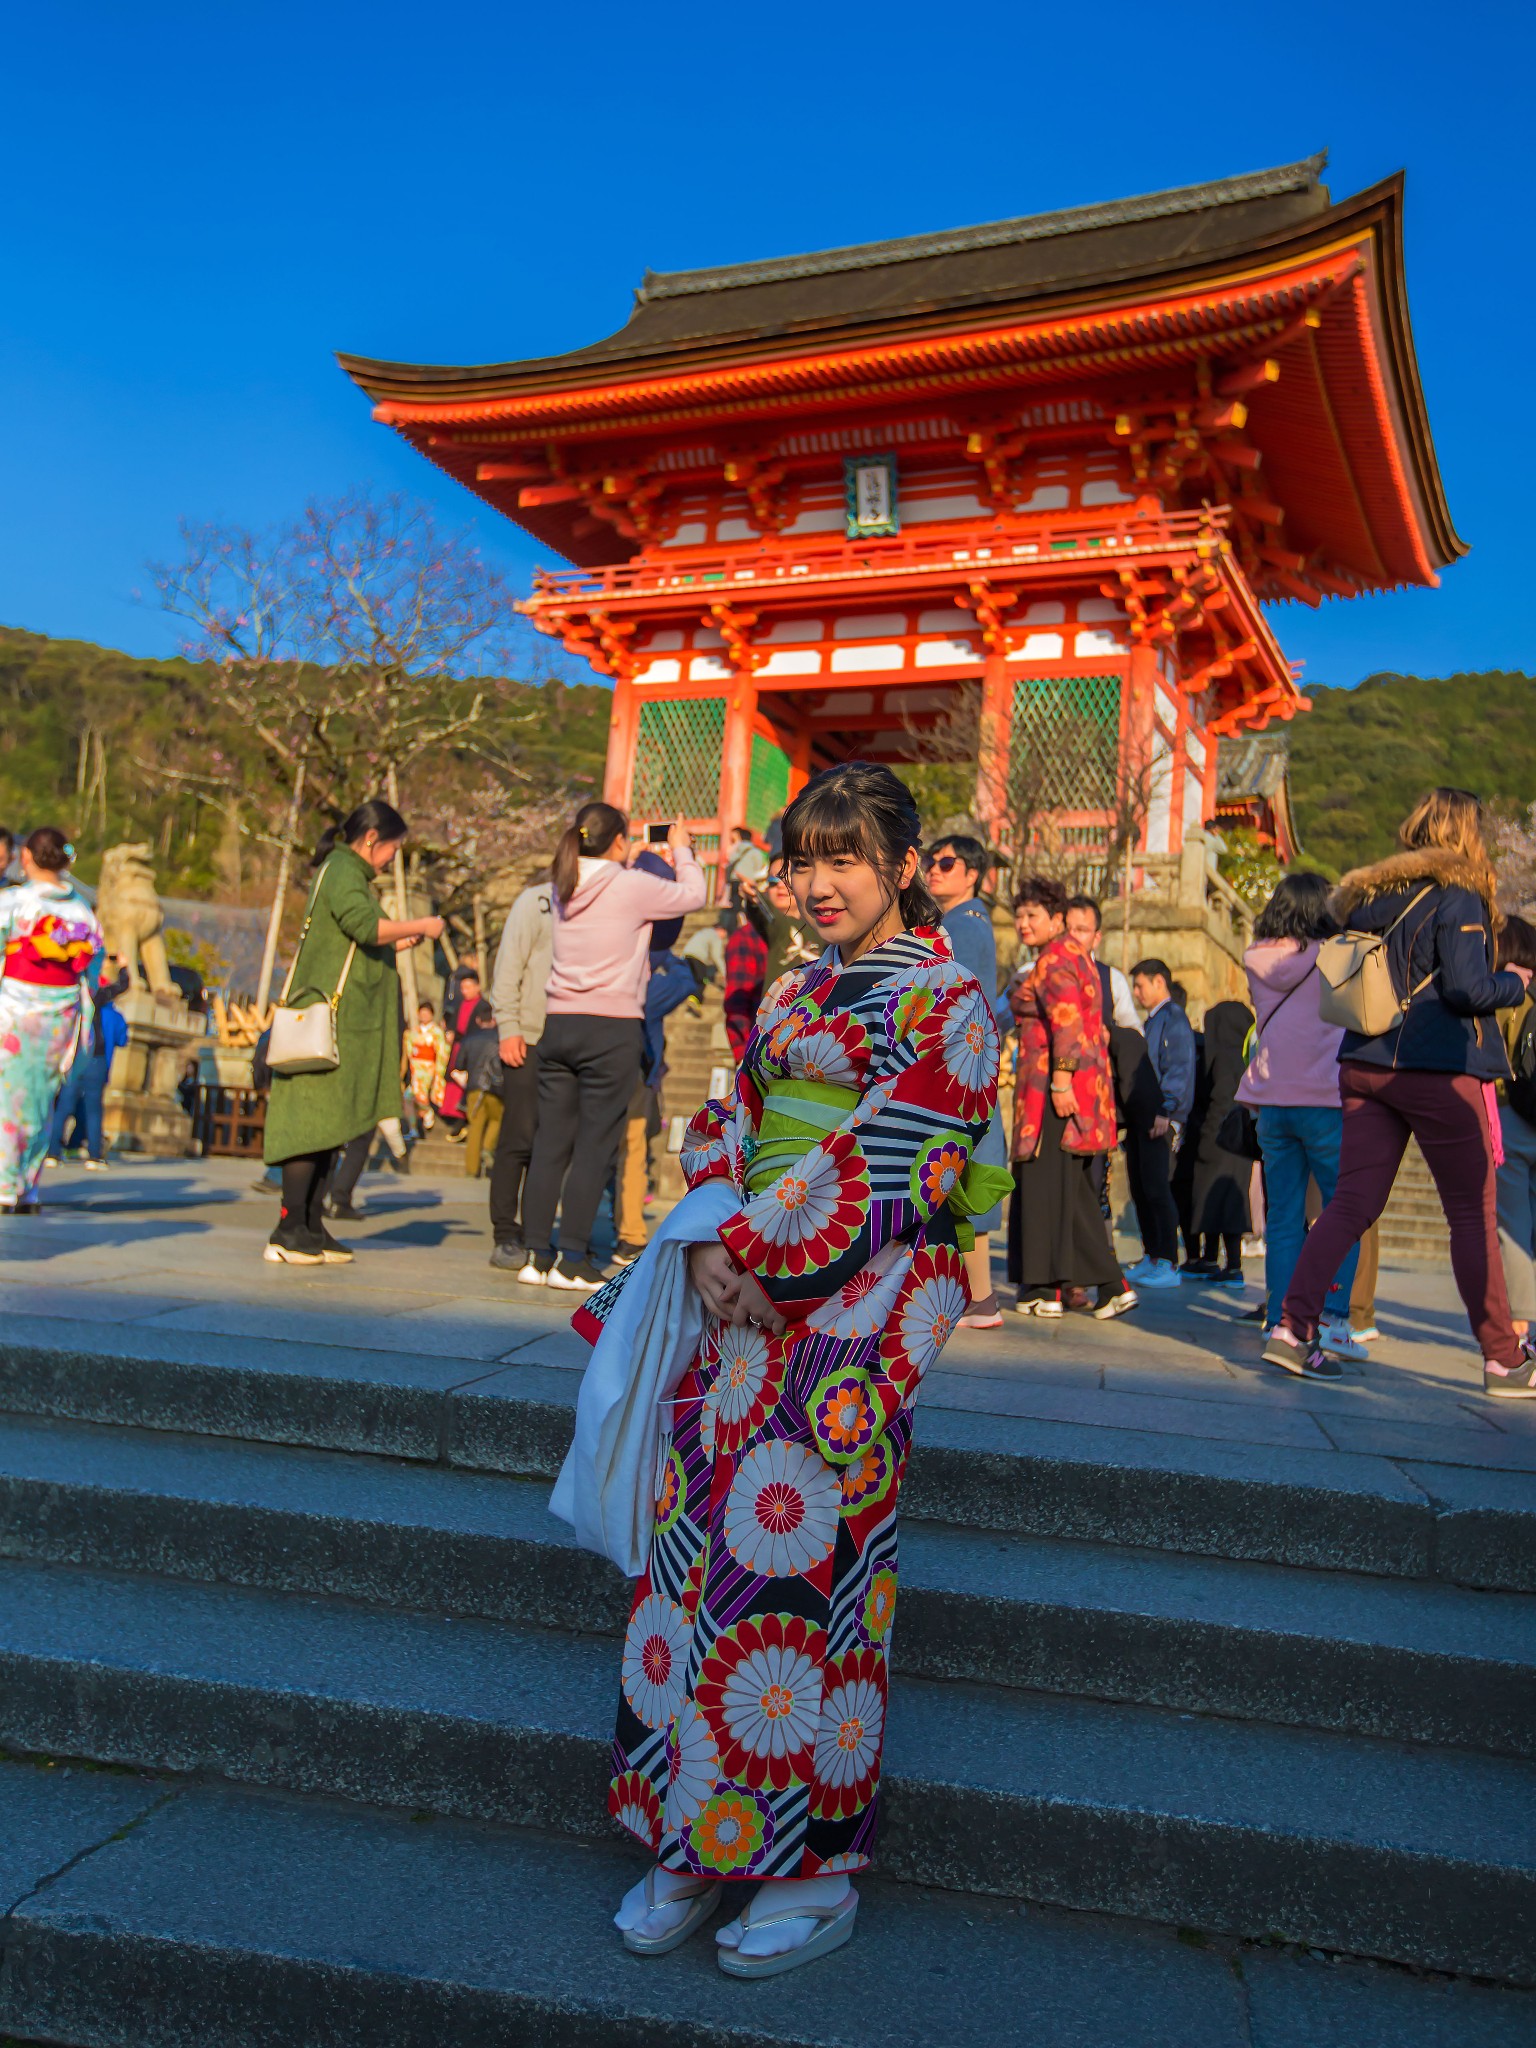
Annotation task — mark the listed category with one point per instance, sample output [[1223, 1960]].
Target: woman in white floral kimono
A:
[[49, 937], [753, 1704]]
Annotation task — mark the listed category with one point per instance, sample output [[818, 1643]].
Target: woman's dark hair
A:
[[1041, 889], [1517, 944], [49, 849], [1299, 909], [595, 829], [967, 850], [373, 815], [860, 807]]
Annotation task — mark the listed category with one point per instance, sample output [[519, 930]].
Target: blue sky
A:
[[201, 203]]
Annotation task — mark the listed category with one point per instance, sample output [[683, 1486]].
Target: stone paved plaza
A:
[[1210, 1723], [176, 1246]]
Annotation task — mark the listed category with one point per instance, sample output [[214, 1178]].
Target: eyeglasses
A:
[[942, 861]]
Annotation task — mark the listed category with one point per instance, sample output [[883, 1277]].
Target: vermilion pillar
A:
[[619, 771], [995, 741], [736, 759]]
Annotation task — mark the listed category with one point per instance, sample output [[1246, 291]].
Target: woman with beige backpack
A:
[[1411, 979], [335, 1044]]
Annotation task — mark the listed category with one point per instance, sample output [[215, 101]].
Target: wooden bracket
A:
[[771, 503], [735, 629]]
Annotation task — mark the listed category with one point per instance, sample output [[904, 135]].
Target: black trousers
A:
[[514, 1147], [348, 1170], [1056, 1234], [304, 1176], [588, 1067], [1148, 1165]]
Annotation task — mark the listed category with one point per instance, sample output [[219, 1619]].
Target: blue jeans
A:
[[84, 1086], [1299, 1144]]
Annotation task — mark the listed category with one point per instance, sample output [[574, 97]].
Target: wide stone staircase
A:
[[1413, 1228], [305, 1702]]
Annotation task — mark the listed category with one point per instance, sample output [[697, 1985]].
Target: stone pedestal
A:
[[142, 1112]]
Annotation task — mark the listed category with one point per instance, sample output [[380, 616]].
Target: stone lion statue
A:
[[131, 918]]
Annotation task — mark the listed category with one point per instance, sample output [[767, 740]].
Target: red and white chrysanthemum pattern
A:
[[693, 1766], [808, 1215], [760, 1691], [850, 1731], [655, 1657], [958, 1045], [833, 1050], [747, 1385], [861, 1305], [634, 1805], [781, 1511], [933, 1298]]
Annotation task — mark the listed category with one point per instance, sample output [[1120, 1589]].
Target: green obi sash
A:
[[799, 1114]]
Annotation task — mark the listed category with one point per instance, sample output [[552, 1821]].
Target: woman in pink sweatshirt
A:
[[589, 1055], [1292, 1086]]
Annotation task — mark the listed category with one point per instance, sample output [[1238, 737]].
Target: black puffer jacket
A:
[[1446, 943]]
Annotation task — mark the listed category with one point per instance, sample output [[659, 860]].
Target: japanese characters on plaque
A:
[[869, 483]]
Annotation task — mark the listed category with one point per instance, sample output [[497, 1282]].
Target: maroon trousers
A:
[[1448, 1116]]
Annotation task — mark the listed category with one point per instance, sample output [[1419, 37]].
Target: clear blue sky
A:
[[202, 202]]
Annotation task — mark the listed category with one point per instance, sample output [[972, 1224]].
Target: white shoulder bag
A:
[[304, 1041]]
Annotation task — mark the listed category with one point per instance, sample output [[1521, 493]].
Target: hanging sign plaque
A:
[[869, 483]]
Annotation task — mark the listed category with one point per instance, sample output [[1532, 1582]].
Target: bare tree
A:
[[336, 639], [394, 609], [1512, 842]]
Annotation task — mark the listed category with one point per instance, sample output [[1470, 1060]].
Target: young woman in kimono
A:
[[48, 938], [754, 1674]]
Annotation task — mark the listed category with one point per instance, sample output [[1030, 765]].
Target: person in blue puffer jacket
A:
[[1430, 1076]]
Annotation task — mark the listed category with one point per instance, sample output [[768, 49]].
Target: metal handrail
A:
[[1058, 540]]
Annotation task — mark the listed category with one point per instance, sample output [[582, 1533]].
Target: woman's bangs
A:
[[826, 823]]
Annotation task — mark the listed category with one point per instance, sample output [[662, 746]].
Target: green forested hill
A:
[[1361, 758], [110, 748]]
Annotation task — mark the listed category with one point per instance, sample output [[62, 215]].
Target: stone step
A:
[[1376, 1848], [249, 1919], [1331, 1510], [1416, 1661]]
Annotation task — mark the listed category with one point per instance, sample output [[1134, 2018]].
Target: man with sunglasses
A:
[[955, 868]]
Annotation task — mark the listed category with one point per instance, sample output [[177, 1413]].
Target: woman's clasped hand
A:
[[728, 1293]]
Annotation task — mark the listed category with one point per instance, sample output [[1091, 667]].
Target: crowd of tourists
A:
[[764, 1354]]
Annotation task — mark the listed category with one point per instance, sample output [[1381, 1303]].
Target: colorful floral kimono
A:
[[1058, 1006], [50, 936], [426, 1048], [754, 1672]]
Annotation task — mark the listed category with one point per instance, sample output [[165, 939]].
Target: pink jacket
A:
[[1295, 1060], [602, 937]]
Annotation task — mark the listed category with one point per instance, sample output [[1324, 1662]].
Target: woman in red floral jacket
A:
[[1063, 1114]]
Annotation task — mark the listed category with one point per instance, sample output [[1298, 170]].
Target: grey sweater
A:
[[522, 966]]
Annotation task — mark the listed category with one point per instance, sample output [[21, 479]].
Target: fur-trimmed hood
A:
[[1434, 864]]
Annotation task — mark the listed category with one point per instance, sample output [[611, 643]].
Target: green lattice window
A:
[[677, 759], [768, 785], [1066, 743]]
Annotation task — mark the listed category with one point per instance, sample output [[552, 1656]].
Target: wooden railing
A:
[[815, 560]]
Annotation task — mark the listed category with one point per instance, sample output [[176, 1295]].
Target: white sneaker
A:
[[96, 1166], [1117, 1305], [1036, 1306], [1339, 1341], [1159, 1273], [534, 1275]]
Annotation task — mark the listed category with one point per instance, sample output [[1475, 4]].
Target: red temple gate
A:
[[1017, 492]]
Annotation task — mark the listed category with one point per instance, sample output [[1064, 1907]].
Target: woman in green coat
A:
[[311, 1116]]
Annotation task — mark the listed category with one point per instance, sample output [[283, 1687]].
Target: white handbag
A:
[[304, 1041]]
